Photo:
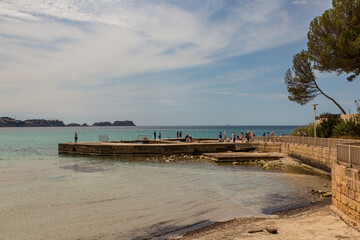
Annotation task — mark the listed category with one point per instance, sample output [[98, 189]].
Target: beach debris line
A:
[[241, 156], [321, 193]]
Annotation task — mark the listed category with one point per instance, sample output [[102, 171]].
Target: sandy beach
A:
[[312, 222]]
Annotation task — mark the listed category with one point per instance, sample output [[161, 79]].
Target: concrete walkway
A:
[[241, 156]]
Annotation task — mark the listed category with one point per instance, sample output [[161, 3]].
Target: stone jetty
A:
[[152, 147]]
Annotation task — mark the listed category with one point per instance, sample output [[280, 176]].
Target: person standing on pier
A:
[[180, 134], [233, 137], [154, 134], [76, 137], [220, 136], [177, 134], [159, 135]]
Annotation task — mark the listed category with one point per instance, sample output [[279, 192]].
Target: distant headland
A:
[[11, 122]]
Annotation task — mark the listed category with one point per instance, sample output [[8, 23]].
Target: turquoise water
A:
[[47, 196], [24, 141]]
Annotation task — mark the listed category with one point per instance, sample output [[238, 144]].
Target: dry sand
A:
[[313, 222]]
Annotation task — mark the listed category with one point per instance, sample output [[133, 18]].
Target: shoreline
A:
[[319, 200], [247, 220], [310, 222]]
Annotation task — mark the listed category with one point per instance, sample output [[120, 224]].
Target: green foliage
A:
[[326, 127], [333, 46], [334, 39], [308, 128], [329, 115], [332, 127], [302, 87], [347, 128], [336, 127], [357, 103]]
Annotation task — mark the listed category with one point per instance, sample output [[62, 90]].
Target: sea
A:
[[44, 195]]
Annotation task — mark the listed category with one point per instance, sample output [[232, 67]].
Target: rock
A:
[[101, 124], [44, 123], [319, 192], [116, 123], [271, 230], [123, 123], [327, 194], [73, 125], [235, 163], [255, 231], [10, 122]]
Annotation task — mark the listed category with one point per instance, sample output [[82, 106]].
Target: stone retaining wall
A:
[[345, 181], [346, 194], [323, 158]]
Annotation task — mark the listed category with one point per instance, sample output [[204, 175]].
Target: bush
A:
[[326, 127], [329, 115], [308, 128], [347, 128], [357, 103], [333, 127]]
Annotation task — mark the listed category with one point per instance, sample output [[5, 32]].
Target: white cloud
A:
[[299, 2], [55, 51], [266, 96], [224, 93]]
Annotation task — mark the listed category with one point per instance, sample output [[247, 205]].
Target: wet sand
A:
[[311, 222]]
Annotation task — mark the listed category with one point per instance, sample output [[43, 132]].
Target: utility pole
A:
[[315, 119]]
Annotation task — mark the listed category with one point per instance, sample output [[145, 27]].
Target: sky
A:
[[186, 62]]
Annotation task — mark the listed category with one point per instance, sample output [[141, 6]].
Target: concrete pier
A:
[[152, 147]]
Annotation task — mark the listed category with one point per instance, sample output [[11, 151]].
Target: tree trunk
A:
[[330, 98]]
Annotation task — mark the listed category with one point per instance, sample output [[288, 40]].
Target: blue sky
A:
[[159, 62]]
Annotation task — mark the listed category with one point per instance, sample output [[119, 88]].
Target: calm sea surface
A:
[[47, 196]]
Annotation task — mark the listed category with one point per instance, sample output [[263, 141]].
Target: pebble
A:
[[271, 230]]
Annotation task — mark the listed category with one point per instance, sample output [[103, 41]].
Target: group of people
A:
[[300, 134], [270, 136], [243, 137], [155, 135], [178, 134]]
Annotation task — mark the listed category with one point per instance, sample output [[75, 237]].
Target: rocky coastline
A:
[[11, 122]]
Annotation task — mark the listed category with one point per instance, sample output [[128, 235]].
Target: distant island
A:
[[11, 122]]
